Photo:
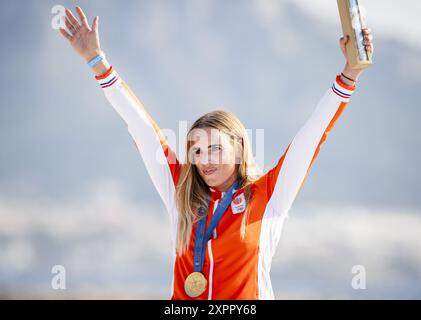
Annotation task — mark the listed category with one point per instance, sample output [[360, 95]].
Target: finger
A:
[[343, 40], [72, 19], [366, 31], [368, 37], [367, 42], [82, 17], [65, 34], [369, 48], [95, 24], [70, 26]]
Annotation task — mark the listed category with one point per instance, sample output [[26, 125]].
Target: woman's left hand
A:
[[368, 43]]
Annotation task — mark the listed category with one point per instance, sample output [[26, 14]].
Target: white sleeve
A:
[[160, 161], [289, 177]]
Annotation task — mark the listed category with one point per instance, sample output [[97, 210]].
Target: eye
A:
[[196, 152]]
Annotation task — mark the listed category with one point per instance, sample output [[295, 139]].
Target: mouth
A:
[[209, 171]]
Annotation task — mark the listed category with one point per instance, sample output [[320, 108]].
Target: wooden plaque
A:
[[353, 21]]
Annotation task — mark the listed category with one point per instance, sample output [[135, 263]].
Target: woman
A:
[[226, 216]]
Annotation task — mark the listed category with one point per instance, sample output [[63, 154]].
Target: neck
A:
[[226, 184]]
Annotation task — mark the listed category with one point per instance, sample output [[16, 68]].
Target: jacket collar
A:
[[215, 193]]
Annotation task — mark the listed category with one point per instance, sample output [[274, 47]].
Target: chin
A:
[[211, 182]]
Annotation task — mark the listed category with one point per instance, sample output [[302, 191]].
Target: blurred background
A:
[[73, 188]]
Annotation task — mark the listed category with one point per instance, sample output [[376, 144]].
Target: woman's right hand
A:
[[83, 38]]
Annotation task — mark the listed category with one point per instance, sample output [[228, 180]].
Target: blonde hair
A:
[[192, 191]]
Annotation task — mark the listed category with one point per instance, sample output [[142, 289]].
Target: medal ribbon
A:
[[201, 236]]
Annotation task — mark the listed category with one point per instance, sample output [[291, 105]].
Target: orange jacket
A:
[[235, 269]]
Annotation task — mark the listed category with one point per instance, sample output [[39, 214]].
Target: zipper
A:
[[211, 256], [210, 269]]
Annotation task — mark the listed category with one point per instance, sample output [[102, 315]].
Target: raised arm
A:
[[285, 180], [287, 177], [159, 159]]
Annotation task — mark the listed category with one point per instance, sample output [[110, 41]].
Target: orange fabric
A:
[[349, 87], [234, 261], [106, 74]]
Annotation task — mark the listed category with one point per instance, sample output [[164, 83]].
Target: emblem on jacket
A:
[[238, 204]]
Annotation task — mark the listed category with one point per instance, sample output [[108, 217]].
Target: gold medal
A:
[[195, 284]]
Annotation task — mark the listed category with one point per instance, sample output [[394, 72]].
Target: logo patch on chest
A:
[[238, 204]]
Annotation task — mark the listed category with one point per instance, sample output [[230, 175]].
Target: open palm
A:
[[83, 38]]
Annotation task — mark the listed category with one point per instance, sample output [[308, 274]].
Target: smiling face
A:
[[214, 154]]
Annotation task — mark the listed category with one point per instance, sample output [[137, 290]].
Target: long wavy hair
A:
[[192, 191]]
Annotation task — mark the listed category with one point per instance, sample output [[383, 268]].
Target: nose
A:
[[204, 158]]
